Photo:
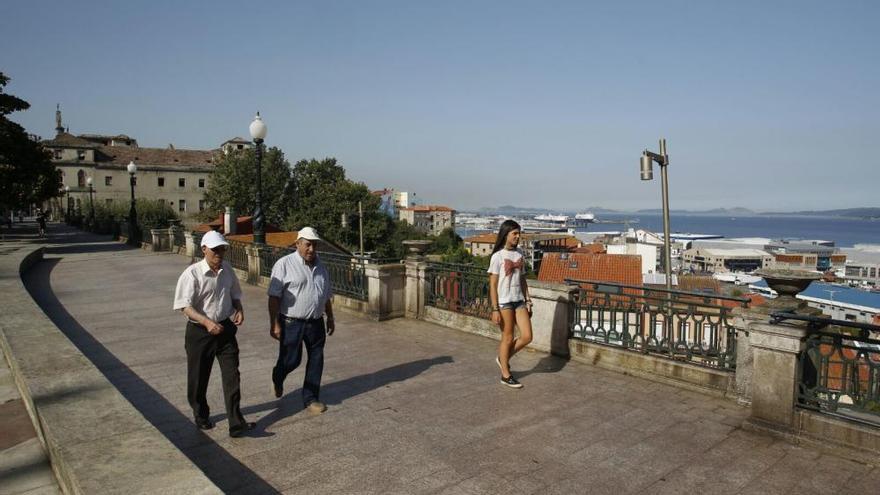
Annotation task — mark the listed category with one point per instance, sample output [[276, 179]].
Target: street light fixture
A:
[[662, 159], [258, 133], [69, 200], [91, 201], [132, 212]]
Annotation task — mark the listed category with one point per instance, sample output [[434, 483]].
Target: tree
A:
[[27, 175], [321, 195], [233, 183]]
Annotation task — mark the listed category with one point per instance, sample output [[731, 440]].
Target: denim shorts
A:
[[514, 305]]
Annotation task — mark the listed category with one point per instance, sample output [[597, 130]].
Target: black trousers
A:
[[201, 349]]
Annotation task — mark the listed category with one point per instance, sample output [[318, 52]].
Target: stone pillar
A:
[[190, 244], [386, 286], [160, 239], [415, 287], [254, 262], [775, 374], [551, 316]]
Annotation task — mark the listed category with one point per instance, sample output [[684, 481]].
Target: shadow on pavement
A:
[[218, 465], [337, 392], [547, 364]]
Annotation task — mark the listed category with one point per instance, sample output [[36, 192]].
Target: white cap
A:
[[213, 239], [308, 233]]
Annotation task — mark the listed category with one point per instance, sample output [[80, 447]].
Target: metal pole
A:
[[132, 216], [91, 204], [667, 251], [361, 221], [259, 235]]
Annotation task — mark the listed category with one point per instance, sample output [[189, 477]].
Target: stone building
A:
[[178, 177], [430, 219], [709, 260]]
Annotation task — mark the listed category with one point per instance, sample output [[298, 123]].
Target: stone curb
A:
[[96, 440]]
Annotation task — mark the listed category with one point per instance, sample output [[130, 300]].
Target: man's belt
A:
[[304, 320]]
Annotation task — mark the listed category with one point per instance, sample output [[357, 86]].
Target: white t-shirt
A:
[[509, 266]]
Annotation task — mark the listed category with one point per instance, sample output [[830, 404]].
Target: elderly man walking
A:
[[299, 298], [209, 295]]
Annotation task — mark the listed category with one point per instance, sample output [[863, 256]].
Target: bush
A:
[[151, 214]]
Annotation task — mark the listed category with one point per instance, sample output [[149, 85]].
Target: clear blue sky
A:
[[768, 105]]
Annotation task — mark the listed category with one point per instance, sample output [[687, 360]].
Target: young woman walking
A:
[[509, 295]]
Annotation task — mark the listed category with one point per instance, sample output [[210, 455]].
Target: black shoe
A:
[[242, 430], [511, 382], [204, 423]]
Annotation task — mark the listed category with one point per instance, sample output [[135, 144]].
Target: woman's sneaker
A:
[[511, 382]]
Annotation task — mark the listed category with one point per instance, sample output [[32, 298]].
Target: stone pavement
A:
[[413, 407]]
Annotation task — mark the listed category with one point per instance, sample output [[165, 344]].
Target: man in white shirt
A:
[[299, 297], [209, 295]]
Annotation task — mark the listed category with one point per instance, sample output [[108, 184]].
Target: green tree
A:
[[322, 195], [233, 183], [392, 245], [26, 172]]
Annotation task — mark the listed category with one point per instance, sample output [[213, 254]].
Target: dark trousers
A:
[[294, 334], [201, 349]]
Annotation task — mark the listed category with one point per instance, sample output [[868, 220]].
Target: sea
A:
[[845, 232]]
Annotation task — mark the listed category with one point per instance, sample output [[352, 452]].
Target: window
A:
[[201, 182], [181, 182], [81, 155], [108, 181], [201, 205], [161, 181], [81, 178], [57, 154], [181, 205]]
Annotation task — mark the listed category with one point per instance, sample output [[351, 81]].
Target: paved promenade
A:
[[413, 407]]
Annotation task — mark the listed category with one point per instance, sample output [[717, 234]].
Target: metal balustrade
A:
[[688, 326], [839, 368], [459, 288], [236, 255]]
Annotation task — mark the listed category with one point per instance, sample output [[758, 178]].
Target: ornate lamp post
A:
[[91, 201], [258, 133], [662, 159], [132, 212], [69, 201]]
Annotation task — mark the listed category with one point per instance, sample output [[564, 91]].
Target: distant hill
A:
[[863, 213], [718, 212]]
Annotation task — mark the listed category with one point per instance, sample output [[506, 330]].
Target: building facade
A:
[[707, 260], [177, 177], [430, 219]]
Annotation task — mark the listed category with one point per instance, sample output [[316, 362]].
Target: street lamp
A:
[[69, 201], [662, 159], [91, 201], [132, 212], [258, 133]]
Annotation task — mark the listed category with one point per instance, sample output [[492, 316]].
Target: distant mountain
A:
[[863, 213], [526, 211], [718, 212]]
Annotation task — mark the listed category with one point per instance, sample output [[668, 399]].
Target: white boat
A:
[[586, 217], [560, 219]]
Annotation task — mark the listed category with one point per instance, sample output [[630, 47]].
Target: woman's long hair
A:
[[506, 227]]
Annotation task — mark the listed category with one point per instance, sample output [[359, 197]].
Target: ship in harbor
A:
[[566, 221]]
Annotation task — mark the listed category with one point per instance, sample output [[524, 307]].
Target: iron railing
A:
[[459, 288], [236, 255], [689, 326], [839, 368], [347, 273]]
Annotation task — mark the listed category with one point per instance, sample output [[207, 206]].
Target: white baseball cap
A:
[[308, 233], [213, 239]]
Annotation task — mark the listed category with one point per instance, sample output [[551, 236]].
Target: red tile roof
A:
[[618, 268], [244, 225], [595, 248]]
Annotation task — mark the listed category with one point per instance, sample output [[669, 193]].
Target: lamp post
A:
[[69, 200], [662, 159], [132, 212], [258, 133], [91, 201]]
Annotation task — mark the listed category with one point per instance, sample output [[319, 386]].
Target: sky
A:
[[764, 105]]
